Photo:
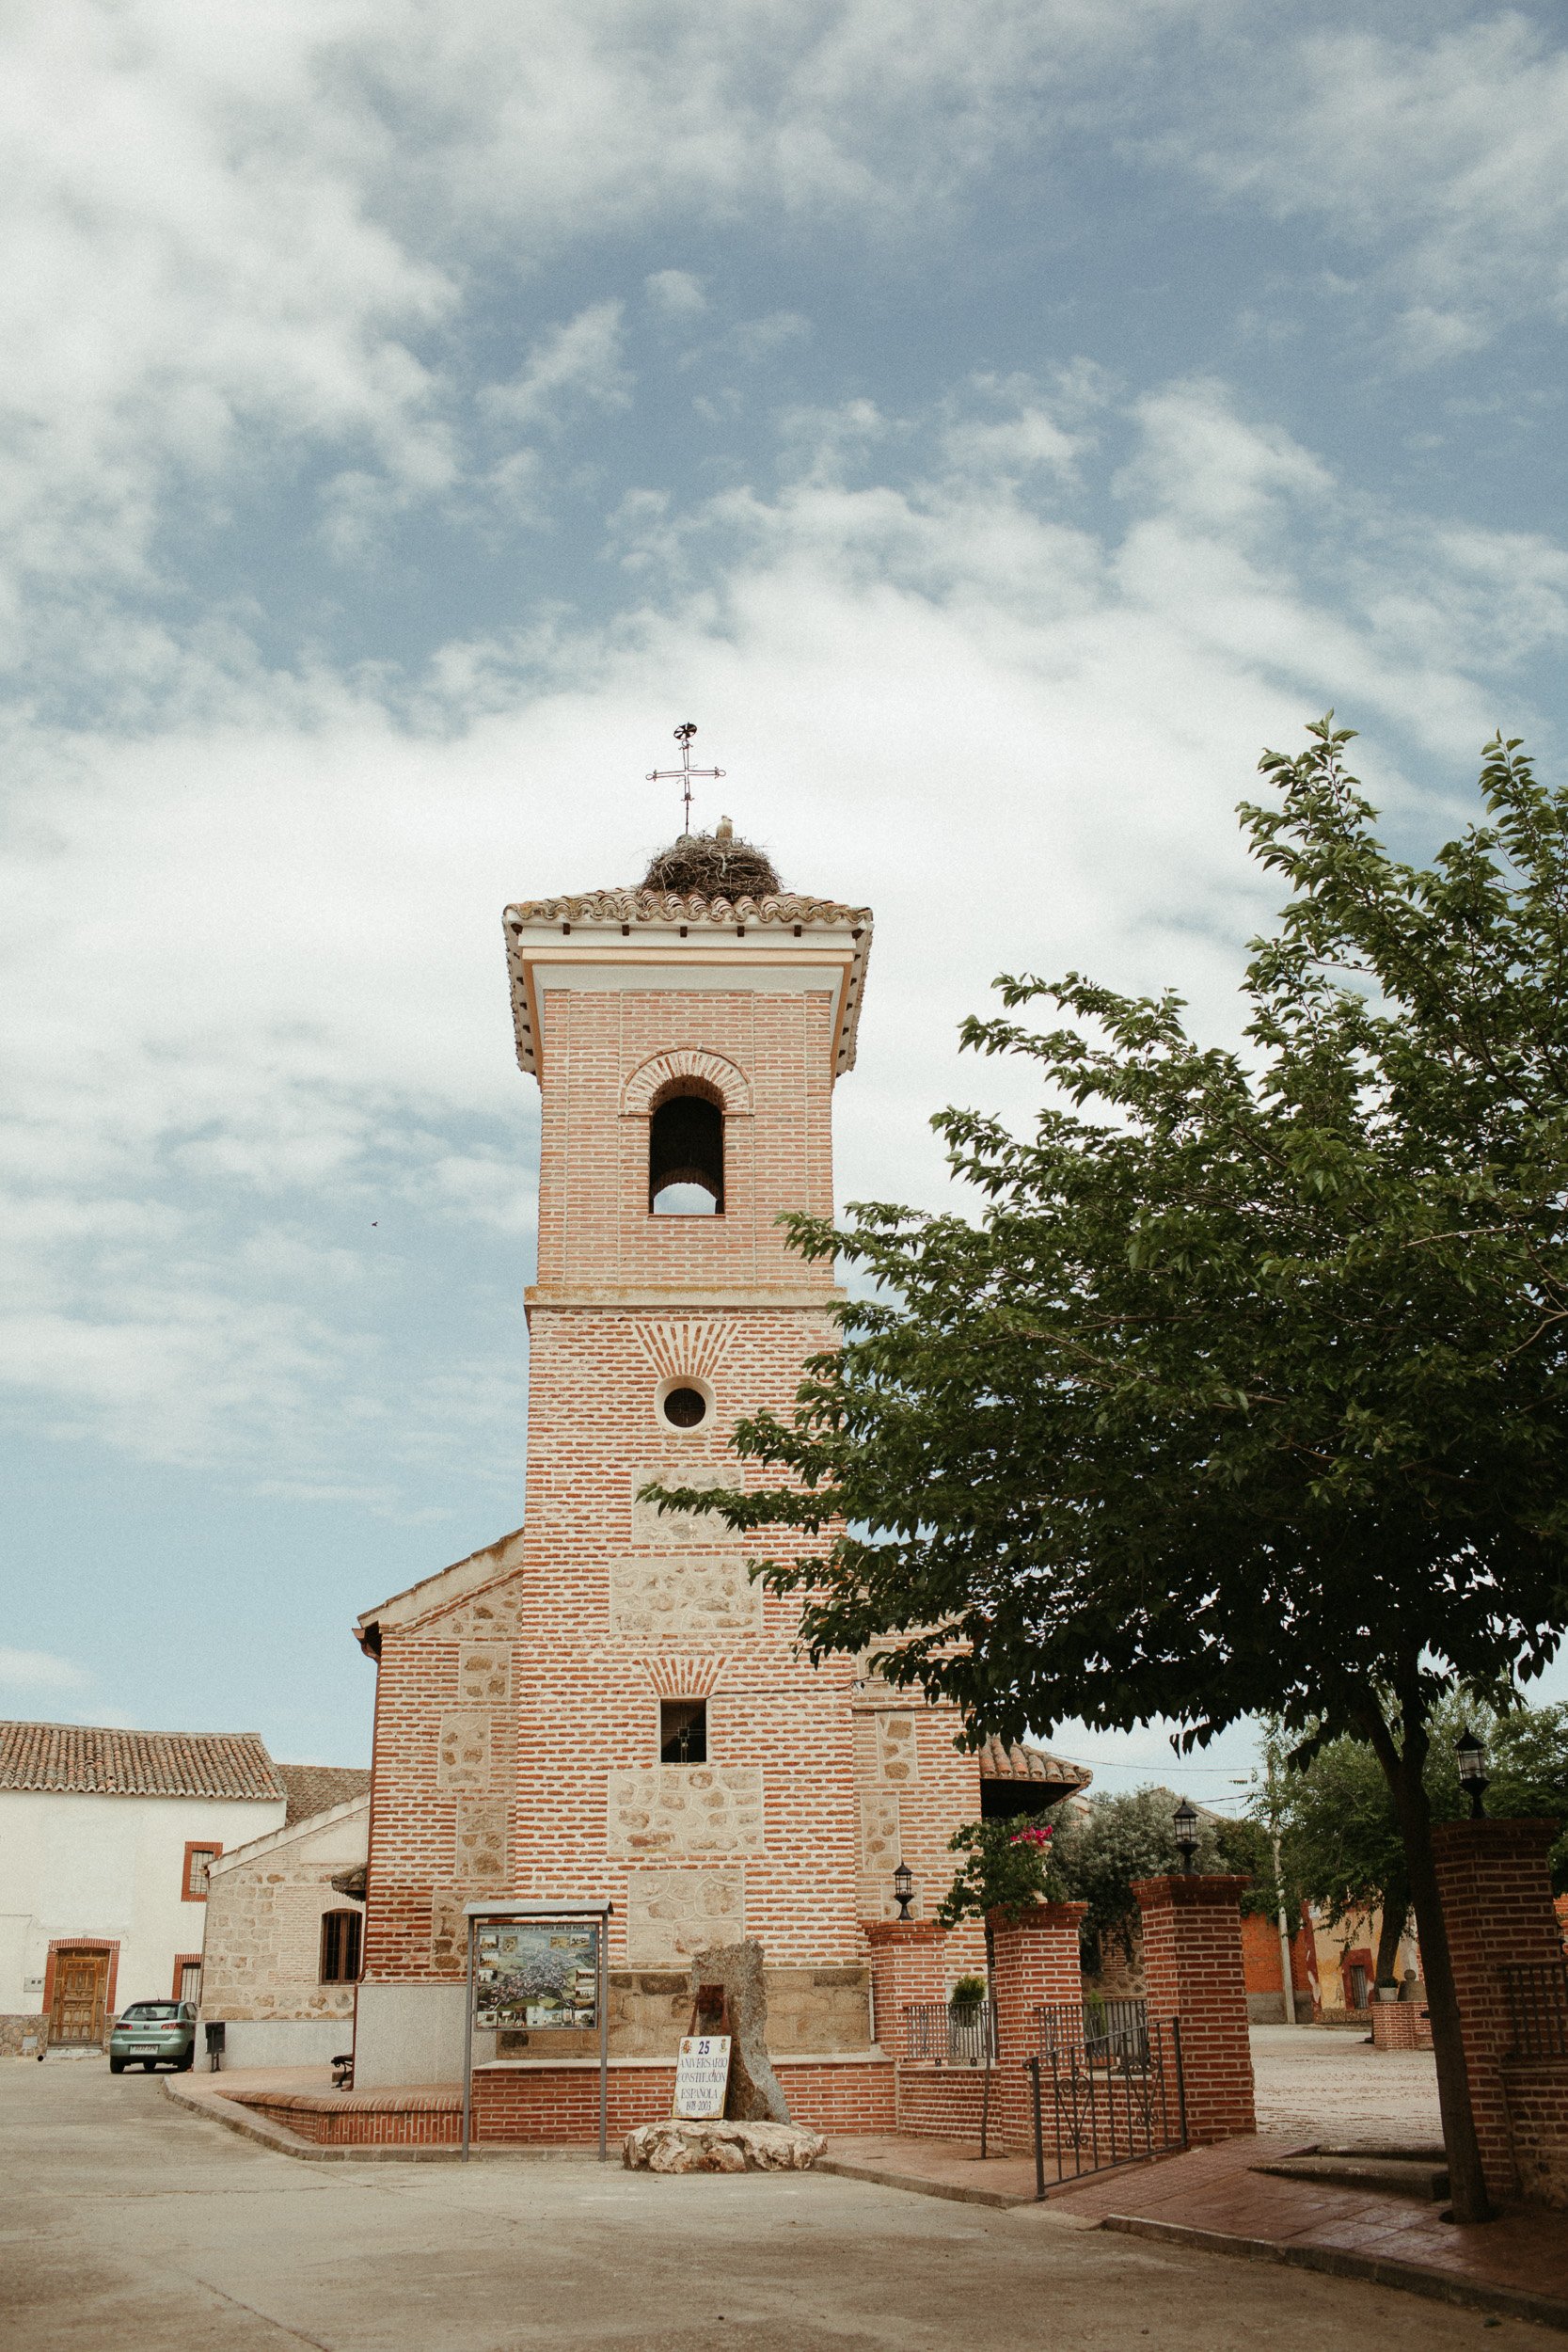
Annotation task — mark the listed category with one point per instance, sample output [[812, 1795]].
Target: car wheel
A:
[[187, 2061], [116, 2066], [149, 2066]]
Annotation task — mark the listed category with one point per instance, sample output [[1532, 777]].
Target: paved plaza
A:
[[129, 2222], [1313, 2083]]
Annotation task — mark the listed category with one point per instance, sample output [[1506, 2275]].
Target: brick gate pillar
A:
[[1192, 1972], [1035, 1965], [906, 1964], [1506, 1950]]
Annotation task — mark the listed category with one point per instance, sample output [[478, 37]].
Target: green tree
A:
[[1341, 1834], [1119, 1837], [1341, 1842], [1246, 1392], [1005, 1867]]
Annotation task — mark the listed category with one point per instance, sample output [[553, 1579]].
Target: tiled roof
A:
[[89, 1760], [313, 1788], [665, 912], [1000, 1762], [666, 906]]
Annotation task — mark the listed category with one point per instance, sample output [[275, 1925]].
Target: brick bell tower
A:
[[603, 1703]]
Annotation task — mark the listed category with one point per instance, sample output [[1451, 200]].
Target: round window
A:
[[685, 1407]]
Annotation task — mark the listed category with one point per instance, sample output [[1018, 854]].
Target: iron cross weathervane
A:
[[685, 771]]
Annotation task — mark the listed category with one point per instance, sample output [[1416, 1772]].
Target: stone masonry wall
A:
[[262, 1954]]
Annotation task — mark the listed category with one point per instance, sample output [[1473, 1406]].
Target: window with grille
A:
[[683, 1731], [340, 1932], [198, 1861]]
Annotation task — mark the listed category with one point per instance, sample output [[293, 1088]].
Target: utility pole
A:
[[1291, 2017]]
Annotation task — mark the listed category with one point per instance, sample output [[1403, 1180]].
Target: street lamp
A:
[[1474, 1777], [1185, 1817], [903, 1889]]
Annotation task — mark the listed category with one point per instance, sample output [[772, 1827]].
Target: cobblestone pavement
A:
[[129, 2223], [1327, 2083]]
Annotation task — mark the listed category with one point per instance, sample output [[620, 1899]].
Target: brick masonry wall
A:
[[908, 1965], [408, 2120], [943, 2102], [1535, 2091], [559, 2106], [1497, 1897], [1192, 1937], [1037, 1966], [1401, 2026], [516, 1743]]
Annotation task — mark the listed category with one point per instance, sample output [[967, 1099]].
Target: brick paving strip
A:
[[1212, 2200]]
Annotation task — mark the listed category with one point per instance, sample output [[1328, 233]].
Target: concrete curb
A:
[[1477, 2294], [882, 2176]]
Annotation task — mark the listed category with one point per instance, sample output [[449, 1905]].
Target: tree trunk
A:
[[1402, 1769], [1396, 1911]]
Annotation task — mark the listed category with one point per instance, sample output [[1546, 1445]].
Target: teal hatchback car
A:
[[154, 2033]]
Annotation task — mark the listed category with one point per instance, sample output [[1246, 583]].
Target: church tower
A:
[[604, 1705]]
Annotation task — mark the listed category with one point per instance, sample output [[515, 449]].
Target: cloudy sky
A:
[[992, 421]]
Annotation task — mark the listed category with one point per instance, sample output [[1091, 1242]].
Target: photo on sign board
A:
[[537, 1976]]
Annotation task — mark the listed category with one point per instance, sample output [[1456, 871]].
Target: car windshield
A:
[[151, 2012]]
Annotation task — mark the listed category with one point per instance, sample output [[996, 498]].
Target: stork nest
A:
[[701, 866]]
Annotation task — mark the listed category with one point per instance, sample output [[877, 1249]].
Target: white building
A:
[[107, 1837]]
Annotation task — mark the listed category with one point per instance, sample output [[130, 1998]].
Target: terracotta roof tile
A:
[[667, 906], [92, 1761], [313, 1788], [1000, 1762]]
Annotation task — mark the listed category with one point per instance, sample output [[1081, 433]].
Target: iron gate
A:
[[1106, 2097]]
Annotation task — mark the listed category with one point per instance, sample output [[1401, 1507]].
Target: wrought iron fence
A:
[[1100, 2100], [1537, 1996], [1115, 2029], [950, 2033]]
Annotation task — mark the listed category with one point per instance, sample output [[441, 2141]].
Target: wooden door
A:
[[81, 1986]]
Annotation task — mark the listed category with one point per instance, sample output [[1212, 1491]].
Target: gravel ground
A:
[[1328, 2083]]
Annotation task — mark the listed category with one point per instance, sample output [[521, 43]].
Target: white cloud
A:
[[760, 339], [233, 242], [582, 361], [1443, 156], [255, 996], [39, 1670], [675, 293]]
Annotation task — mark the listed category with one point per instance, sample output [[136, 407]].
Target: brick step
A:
[[1420, 2172]]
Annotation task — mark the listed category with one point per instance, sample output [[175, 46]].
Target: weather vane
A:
[[685, 771]]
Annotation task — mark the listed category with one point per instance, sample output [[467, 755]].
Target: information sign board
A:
[[536, 1974], [702, 2078]]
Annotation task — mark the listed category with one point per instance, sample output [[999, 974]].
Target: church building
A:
[[602, 1705]]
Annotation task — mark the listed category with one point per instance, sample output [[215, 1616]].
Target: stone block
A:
[[684, 1809], [463, 1750], [687, 1531], [672, 1915], [755, 2094], [682, 1600], [722, 2148]]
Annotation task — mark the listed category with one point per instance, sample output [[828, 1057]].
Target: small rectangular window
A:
[[340, 1932], [683, 1731], [198, 1861]]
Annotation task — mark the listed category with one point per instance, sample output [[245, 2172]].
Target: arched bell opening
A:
[[686, 1156]]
